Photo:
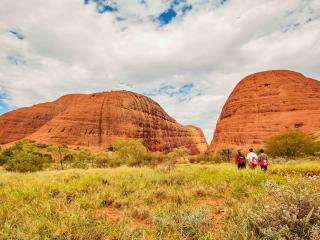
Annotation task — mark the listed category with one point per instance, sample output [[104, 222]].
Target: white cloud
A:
[[69, 47]]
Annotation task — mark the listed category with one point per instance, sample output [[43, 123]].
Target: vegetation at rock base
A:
[[292, 144], [126, 192], [27, 156], [24, 157]]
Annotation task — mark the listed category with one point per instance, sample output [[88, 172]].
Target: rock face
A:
[[97, 120], [267, 103], [20, 123]]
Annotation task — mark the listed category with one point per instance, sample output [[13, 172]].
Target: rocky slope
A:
[[97, 120], [20, 123], [266, 103]]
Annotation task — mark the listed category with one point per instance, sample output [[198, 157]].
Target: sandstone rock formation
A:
[[97, 120], [267, 103], [20, 123]]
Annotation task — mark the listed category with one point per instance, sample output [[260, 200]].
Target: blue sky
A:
[[186, 54]]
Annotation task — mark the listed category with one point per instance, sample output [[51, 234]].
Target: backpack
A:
[[254, 162], [264, 161], [241, 160]]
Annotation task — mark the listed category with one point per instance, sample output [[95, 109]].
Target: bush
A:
[[220, 156], [205, 158], [194, 224], [24, 161], [291, 145], [107, 159], [102, 160], [3, 159], [132, 152], [23, 156], [153, 159], [294, 215], [83, 159], [179, 153], [226, 154]]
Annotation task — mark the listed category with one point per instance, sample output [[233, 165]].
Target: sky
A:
[[187, 55]]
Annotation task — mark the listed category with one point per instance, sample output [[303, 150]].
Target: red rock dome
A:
[[97, 120], [267, 103]]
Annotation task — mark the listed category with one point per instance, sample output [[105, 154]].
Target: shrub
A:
[[7, 152], [221, 155], [294, 215], [3, 159], [153, 159], [102, 160], [225, 154], [291, 144], [194, 224], [82, 159], [24, 161], [140, 213], [131, 151], [178, 153], [23, 156], [42, 145], [207, 158]]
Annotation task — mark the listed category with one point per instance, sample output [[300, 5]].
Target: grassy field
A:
[[189, 202]]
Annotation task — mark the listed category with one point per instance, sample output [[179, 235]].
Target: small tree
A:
[[291, 144], [60, 151]]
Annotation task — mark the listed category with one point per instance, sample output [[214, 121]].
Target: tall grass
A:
[[145, 203]]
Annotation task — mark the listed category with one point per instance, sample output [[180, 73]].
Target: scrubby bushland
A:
[[204, 158], [154, 159], [190, 202], [82, 159], [281, 213], [24, 157], [220, 156], [178, 154], [292, 144], [130, 151]]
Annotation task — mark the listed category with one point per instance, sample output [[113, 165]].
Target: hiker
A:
[[252, 159], [263, 159], [240, 160]]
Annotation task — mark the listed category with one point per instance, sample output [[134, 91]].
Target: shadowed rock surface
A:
[[267, 103], [97, 120]]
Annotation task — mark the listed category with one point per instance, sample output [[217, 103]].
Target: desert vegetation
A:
[[27, 156], [191, 201], [127, 192], [293, 144]]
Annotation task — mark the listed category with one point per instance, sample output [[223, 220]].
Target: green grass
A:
[[190, 202]]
